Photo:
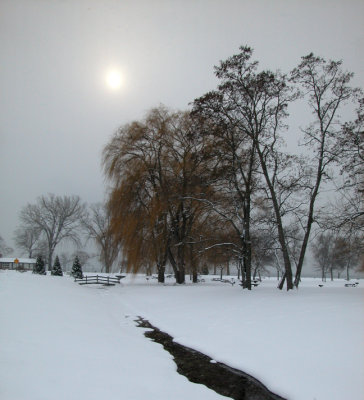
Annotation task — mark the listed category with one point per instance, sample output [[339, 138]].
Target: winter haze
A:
[[57, 111]]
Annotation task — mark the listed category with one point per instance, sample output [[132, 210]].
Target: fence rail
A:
[[99, 279]]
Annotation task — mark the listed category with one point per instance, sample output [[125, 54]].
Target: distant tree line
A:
[[54, 219], [216, 182]]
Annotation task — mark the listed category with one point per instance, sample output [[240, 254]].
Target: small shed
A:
[[23, 264]]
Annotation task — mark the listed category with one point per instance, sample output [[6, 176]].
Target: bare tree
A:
[[97, 225], [351, 157], [347, 253], [235, 174], [28, 238], [322, 251], [263, 252], [327, 88], [4, 248], [255, 104], [57, 218]]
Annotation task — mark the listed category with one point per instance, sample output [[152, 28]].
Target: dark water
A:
[[198, 368]]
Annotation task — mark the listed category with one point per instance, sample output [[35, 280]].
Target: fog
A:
[[57, 111]]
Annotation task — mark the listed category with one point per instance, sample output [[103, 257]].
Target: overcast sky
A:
[[57, 112]]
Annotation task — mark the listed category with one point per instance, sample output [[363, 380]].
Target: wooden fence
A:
[[99, 279]]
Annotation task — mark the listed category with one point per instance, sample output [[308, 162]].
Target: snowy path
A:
[[59, 340]]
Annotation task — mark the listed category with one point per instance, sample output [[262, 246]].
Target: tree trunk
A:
[[281, 283], [323, 275], [194, 276], [347, 272], [281, 236], [180, 276], [247, 260], [180, 265], [50, 256], [173, 262], [161, 270], [310, 213]]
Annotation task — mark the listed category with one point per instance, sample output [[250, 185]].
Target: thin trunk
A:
[[281, 283], [347, 272], [173, 262], [281, 236], [311, 210], [248, 252], [323, 275], [193, 265], [181, 264], [50, 256]]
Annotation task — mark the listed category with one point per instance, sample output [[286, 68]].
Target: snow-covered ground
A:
[[59, 340]]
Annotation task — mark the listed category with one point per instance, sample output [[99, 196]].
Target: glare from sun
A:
[[113, 79]]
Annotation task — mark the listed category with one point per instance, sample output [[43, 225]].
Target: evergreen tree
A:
[[57, 270], [77, 269], [39, 266]]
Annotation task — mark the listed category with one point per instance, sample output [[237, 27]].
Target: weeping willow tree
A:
[[158, 171]]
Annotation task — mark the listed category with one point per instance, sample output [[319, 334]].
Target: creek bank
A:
[[199, 368]]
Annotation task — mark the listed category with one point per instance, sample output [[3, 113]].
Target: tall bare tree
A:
[[254, 103], [326, 86], [57, 218], [235, 169]]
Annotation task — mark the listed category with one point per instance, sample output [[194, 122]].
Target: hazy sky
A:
[[57, 112]]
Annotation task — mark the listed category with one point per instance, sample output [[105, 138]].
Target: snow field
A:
[[59, 340]]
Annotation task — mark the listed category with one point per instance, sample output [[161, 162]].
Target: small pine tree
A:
[[77, 269], [57, 270], [39, 266]]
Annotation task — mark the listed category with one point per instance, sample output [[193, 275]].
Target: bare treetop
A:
[[56, 217]]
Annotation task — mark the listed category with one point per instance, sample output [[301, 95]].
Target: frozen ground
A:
[[59, 340]]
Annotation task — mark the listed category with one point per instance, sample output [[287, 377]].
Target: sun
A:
[[114, 79]]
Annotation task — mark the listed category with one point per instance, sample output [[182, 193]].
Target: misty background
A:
[[57, 112]]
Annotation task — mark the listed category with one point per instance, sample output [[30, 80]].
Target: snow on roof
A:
[[20, 260]]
